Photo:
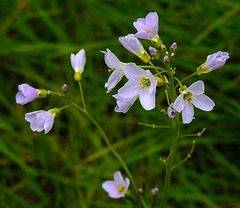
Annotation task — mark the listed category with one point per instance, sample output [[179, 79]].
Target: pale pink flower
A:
[[192, 96], [118, 187], [42, 120], [140, 83], [26, 94], [147, 27]]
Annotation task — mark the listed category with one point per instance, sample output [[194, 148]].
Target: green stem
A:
[[84, 111], [81, 92], [175, 126], [191, 75]]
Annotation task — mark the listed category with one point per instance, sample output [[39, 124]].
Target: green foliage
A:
[[66, 167]]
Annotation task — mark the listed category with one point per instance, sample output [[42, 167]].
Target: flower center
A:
[[120, 188], [187, 96], [145, 82]]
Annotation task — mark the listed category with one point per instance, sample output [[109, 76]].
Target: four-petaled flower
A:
[[113, 63], [214, 61], [42, 120], [141, 83], [133, 45], [147, 27], [192, 96], [118, 187], [78, 62]]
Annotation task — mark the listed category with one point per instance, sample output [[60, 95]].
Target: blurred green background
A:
[[66, 167]]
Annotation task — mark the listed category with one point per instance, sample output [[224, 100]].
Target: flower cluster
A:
[[142, 82], [43, 120]]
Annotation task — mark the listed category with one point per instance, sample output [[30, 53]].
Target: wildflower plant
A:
[[143, 83]]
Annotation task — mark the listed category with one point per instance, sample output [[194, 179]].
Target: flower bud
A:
[[173, 47], [163, 48], [65, 88], [154, 191], [171, 111], [166, 59], [214, 61]]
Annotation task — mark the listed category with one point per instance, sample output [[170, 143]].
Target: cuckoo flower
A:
[[118, 187], [141, 82], [147, 28], [123, 104], [27, 94], [214, 61], [42, 120], [192, 96], [113, 63], [78, 62], [133, 45]]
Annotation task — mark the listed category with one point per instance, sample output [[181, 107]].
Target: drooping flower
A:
[[42, 120], [141, 83], [214, 61], [113, 63], [192, 96], [147, 27], [133, 45], [78, 62], [118, 187], [123, 104], [171, 111], [27, 94]]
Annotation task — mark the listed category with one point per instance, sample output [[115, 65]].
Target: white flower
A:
[[192, 96], [141, 82], [123, 104], [214, 61], [113, 63], [42, 120], [133, 45], [78, 61], [118, 187]]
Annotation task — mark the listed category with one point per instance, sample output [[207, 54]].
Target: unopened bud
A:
[[140, 190], [173, 47], [166, 59], [154, 191], [163, 48], [65, 88]]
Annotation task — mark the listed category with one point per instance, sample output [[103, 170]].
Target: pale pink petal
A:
[[179, 103], [187, 113], [131, 89], [147, 99], [111, 60], [197, 88], [111, 188], [203, 102], [49, 124], [114, 79], [118, 178], [131, 71]]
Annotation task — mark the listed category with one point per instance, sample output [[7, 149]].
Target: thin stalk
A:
[[175, 132], [81, 93], [84, 111], [191, 75]]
